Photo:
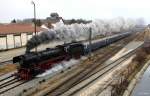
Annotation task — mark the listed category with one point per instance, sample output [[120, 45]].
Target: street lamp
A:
[[34, 21]]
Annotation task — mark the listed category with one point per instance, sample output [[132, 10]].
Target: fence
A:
[[11, 41]]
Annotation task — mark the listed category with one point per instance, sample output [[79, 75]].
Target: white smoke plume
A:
[[77, 31]]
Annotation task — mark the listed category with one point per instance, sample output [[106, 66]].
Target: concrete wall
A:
[[18, 41], [3, 43], [10, 41], [24, 39]]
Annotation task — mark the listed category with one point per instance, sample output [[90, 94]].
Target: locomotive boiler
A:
[[34, 63]]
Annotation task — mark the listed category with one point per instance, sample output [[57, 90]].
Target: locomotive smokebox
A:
[[17, 59]]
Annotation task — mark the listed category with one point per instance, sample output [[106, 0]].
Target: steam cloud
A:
[[77, 31], [44, 37]]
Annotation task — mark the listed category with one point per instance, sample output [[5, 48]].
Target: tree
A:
[[54, 15], [73, 21], [13, 21], [140, 56]]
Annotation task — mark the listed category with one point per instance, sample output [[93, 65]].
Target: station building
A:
[[16, 35]]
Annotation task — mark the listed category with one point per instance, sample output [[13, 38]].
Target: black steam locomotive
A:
[[34, 63]]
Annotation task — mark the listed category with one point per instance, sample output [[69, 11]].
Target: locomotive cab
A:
[[76, 50]]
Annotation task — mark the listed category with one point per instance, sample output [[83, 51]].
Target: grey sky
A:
[[86, 9]]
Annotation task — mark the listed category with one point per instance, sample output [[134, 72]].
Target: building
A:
[[16, 35]]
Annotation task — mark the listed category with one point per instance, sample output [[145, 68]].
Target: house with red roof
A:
[[15, 35]]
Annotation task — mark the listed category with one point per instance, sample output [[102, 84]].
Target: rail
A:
[[75, 84]]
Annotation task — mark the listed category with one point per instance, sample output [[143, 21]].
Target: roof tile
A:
[[18, 28]]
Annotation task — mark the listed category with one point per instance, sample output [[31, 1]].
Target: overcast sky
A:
[[86, 9]]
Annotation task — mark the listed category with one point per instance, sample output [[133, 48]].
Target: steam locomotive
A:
[[34, 63]]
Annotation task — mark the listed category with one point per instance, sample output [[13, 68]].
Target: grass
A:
[[7, 68]]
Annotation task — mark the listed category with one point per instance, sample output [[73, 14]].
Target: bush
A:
[[140, 56]]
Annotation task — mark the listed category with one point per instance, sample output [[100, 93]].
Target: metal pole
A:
[[90, 41], [34, 22]]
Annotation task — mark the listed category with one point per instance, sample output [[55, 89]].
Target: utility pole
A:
[[90, 42], [34, 22]]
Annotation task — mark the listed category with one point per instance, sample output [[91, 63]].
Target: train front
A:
[[33, 63], [25, 66]]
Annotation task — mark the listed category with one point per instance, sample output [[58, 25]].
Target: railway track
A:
[[6, 62], [11, 86], [82, 75], [5, 78], [96, 75], [76, 87], [78, 75], [8, 85], [9, 82]]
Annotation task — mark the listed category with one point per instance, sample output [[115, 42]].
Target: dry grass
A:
[[7, 68]]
